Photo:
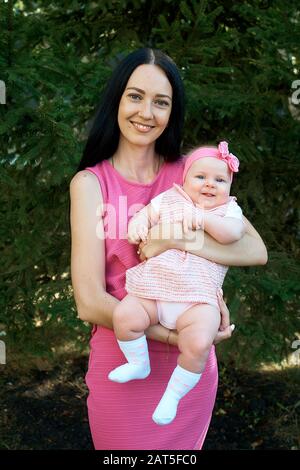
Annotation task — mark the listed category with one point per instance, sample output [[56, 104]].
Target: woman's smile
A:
[[141, 127]]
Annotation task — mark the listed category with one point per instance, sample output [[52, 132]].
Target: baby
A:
[[176, 288]]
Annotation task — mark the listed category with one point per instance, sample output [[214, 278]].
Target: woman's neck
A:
[[136, 163]]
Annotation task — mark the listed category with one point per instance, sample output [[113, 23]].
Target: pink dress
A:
[[120, 414]]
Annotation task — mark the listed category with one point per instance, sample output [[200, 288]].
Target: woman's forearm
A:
[[98, 310], [248, 251], [162, 334]]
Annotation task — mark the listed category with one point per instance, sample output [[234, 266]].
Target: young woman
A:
[[133, 154]]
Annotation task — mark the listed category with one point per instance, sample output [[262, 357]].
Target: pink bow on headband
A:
[[229, 158]]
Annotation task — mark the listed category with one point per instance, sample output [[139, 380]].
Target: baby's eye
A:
[[220, 180], [201, 177]]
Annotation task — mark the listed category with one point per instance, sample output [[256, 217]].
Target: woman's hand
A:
[[160, 238], [166, 236], [149, 249], [225, 329]]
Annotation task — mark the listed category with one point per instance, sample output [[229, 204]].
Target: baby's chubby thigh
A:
[[197, 328], [134, 314]]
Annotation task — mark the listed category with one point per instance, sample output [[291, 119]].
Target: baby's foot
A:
[[166, 410], [128, 372]]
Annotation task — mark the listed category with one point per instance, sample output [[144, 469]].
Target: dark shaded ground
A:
[[256, 411], [45, 409]]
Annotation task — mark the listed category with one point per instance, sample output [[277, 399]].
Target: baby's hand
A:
[[191, 222], [137, 233]]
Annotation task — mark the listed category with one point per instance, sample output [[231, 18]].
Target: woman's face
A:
[[145, 106]]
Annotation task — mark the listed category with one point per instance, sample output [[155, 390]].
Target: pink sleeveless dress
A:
[[120, 414]]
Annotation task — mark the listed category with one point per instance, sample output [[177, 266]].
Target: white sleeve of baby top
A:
[[234, 210], [156, 202]]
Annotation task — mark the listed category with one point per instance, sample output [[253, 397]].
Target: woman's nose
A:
[[146, 111]]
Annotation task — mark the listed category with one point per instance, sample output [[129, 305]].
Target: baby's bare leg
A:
[[197, 328], [132, 316]]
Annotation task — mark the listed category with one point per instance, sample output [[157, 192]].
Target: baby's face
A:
[[208, 182]]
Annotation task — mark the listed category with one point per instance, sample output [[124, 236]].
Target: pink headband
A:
[[222, 153]]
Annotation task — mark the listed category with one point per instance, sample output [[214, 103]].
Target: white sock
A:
[[180, 383], [138, 365]]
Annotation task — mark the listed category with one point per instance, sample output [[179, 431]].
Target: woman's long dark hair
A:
[[104, 136]]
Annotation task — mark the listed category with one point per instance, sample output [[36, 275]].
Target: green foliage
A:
[[238, 60]]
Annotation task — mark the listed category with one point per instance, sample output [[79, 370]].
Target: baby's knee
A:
[[198, 345], [120, 314]]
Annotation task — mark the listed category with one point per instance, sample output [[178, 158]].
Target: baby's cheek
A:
[[226, 191], [223, 196]]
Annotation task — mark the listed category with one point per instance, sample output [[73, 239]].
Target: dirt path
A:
[[45, 409]]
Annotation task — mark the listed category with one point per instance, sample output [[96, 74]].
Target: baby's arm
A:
[[224, 229], [140, 224]]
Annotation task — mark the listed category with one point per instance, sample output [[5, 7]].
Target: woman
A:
[[133, 151]]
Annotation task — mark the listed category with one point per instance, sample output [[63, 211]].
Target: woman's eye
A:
[[162, 103], [135, 97]]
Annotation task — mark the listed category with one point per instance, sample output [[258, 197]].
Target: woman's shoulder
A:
[[83, 178], [84, 182]]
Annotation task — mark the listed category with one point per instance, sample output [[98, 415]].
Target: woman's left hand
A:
[[159, 239], [225, 329], [149, 249]]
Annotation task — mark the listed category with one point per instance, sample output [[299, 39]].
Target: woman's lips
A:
[[141, 127]]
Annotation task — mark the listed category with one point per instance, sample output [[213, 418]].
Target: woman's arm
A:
[[248, 251], [94, 304]]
